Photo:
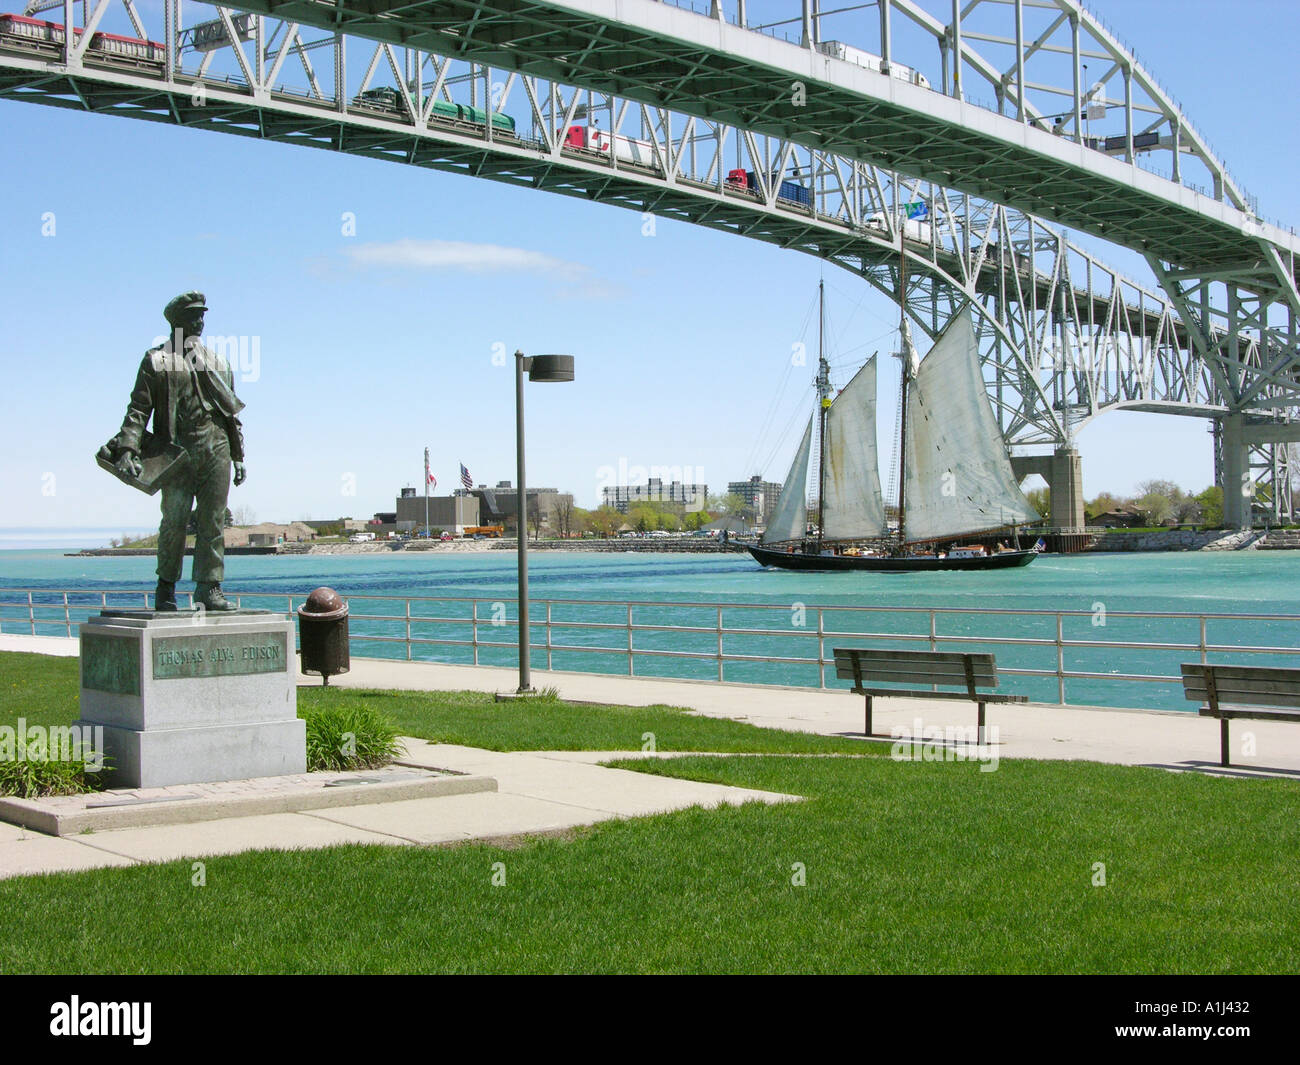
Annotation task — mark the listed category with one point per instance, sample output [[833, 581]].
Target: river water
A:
[[781, 604]]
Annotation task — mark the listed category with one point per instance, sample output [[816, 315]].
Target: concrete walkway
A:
[[549, 791], [537, 792]]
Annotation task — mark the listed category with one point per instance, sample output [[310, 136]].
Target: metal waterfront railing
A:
[[1050, 652]]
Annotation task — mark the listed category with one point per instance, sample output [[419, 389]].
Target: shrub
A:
[[349, 737], [31, 778]]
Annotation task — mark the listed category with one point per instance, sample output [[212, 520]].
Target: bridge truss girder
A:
[[1064, 336]]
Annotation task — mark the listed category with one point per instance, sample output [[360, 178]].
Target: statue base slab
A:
[[192, 697]]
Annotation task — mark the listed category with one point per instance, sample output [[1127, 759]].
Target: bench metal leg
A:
[[1223, 741], [867, 726], [979, 728]]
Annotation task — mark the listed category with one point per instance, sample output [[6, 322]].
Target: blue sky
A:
[[375, 346]]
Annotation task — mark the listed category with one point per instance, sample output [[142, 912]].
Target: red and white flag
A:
[[430, 481]]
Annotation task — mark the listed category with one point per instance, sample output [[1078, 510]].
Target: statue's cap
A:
[[187, 301]]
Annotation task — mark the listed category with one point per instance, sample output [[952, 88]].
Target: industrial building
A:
[[451, 514], [500, 505], [690, 497]]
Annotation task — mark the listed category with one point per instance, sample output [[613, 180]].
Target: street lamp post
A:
[[540, 368]]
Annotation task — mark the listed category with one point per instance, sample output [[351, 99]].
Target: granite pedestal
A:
[[193, 696]]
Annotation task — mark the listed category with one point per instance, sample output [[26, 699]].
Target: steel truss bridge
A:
[[1017, 122]]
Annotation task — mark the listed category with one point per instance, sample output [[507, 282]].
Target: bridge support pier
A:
[[1063, 472], [1065, 483], [1235, 467], [1254, 465]]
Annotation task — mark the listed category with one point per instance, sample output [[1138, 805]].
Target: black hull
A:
[[888, 563]]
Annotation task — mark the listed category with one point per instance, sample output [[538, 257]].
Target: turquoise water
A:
[[1099, 586]]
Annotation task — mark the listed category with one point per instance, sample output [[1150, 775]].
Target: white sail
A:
[[790, 522], [852, 508], [958, 476]]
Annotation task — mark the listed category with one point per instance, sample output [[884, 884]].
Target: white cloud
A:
[[464, 256]]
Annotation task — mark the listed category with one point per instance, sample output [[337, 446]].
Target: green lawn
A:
[[922, 867], [910, 867], [38, 688], [477, 720], [44, 691]]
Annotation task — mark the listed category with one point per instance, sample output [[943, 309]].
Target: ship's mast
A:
[[906, 361], [823, 401]]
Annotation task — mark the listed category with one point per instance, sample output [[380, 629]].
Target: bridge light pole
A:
[[540, 368]]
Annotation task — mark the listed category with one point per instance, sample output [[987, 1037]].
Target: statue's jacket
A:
[[156, 393]]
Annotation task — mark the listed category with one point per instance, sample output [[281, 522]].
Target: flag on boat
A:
[[1041, 545], [465, 478]]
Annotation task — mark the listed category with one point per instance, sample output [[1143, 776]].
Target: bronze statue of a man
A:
[[190, 394]]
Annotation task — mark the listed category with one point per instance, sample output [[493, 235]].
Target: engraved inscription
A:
[[225, 655], [110, 664]]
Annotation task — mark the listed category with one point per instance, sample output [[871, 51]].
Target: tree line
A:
[[1157, 502]]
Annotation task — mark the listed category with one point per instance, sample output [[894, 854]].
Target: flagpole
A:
[[426, 493]]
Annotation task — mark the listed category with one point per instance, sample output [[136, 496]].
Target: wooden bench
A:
[[1263, 693], [969, 672]]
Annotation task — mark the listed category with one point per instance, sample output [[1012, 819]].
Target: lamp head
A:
[[549, 368]]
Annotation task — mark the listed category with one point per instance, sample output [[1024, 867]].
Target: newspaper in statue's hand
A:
[[161, 463]]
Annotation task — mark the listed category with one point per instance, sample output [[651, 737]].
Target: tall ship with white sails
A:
[[955, 478]]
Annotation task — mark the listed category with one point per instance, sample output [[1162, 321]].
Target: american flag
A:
[[465, 478]]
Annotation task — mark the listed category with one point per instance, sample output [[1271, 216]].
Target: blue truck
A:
[[788, 190]]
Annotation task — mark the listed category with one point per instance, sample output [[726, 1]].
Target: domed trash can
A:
[[323, 634]]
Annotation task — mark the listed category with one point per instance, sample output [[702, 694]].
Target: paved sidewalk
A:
[[537, 792]]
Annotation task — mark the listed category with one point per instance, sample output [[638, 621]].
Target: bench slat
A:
[[1231, 712], [1256, 686], [943, 669], [875, 654], [919, 674], [1224, 675], [1245, 696], [885, 693], [915, 667], [919, 678]]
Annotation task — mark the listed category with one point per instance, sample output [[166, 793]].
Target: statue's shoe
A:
[[211, 597], [164, 596]]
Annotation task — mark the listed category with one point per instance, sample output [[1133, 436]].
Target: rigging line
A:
[[764, 427], [765, 424], [859, 302], [795, 419], [797, 410]]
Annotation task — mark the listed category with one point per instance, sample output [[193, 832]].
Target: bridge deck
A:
[[661, 55]]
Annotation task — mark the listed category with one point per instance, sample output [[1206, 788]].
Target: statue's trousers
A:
[[207, 487]]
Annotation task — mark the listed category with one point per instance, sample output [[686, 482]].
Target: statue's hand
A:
[[129, 464], [241, 474]]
